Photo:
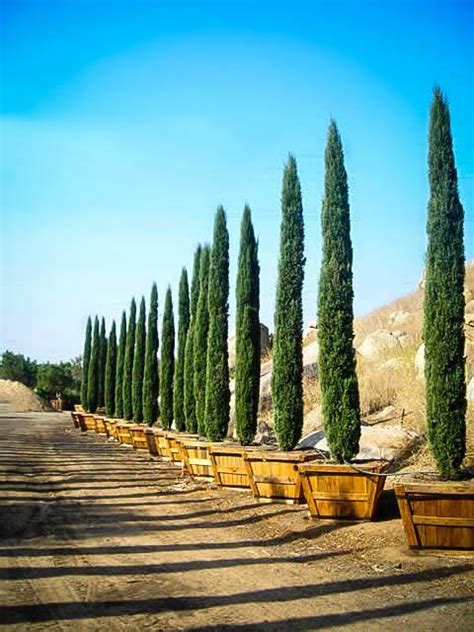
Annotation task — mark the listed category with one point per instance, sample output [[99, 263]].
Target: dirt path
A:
[[97, 537]]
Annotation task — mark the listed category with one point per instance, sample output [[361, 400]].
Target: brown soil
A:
[[98, 537], [21, 398]]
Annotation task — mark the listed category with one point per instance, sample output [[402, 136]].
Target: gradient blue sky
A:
[[125, 123]]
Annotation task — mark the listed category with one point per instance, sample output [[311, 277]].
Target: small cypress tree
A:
[[167, 362], [247, 365], [86, 358], [200, 341], [337, 365], [287, 374], [189, 400], [128, 363], [93, 373], [183, 326], [444, 300], [139, 364], [150, 376], [102, 361], [217, 362], [110, 371], [120, 367]]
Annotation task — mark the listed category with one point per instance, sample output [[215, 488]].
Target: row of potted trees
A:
[[340, 487]]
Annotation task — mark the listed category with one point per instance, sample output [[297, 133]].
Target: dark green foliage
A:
[[102, 361], [200, 332], [150, 376], [110, 372], [337, 366], [189, 400], [247, 367], [120, 368], [167, 362], [14, 366], [128, 363], [183, 326], [217, 363], [55, 379], [444, 300], [86, 358], [287, 374], [139, 364], [93, 372]]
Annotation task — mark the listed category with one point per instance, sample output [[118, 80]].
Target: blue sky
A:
[[124, 124]]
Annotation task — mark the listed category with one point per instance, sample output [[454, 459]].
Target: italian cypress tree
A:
[[444, 300], [93, 373], [86, 358], [183, 326], [167, 362], [247, 366], [102, 361], [139, 364], [337, 365], [110, 371], [120, 367], [150, 376], [287, 374], [200, 341], [128, 363], [189, 400], [217, 362]]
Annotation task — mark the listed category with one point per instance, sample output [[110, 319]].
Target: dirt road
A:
[[97, 537]]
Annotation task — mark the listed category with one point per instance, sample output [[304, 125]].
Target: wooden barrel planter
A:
[[228, 465], [124, 434], [341, 491], [138, 437], [273, 476], [89, 422], [100, 424], [195, 454], [437, 515]]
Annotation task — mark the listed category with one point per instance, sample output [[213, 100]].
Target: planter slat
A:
[[89, 421], [228, 465], [99, 424], [196, 458], [433, 518]]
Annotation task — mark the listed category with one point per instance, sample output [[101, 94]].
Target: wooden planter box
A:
[[340, 491], [80, 419], [124, 433], [138, 437], [89, 422], [100, 424], [110, 427], [75, 419], [150, 441], [159, 445], [78, 408], [174, 447], [195, 455], [228, 465], [273, 476], [437, 515]]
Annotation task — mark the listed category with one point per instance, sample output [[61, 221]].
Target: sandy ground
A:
[[94, 536]]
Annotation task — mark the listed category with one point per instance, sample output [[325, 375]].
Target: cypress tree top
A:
[[150, 378], [338, 380], [128, 363], [139, 364], [184, 317], [189, 399], [120, 367], [200, 331], [167, 362], [85, 363], [444, 300], [110, 372], [102, 361], [287, 374], [93, 373]]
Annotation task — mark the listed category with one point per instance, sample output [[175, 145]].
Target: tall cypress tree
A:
[[183, 326], [139, 364], [287, 374], [167, 362], [189, 400], [102, 361], [86, 358], [247, 366], [110, 371], [150, 376], [200, 341], [217, 363], [120, 367], [337, 365], [444, 300], [93, 373], [128, 363]]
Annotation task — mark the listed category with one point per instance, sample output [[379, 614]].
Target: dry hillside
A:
[[22, 398]]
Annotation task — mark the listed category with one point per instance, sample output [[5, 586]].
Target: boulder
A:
[[377, 343], [265, 344], [392, 365], [400, 317], [310, 333], [310, 359], [313, 420], [470, 391], [420, 362]]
